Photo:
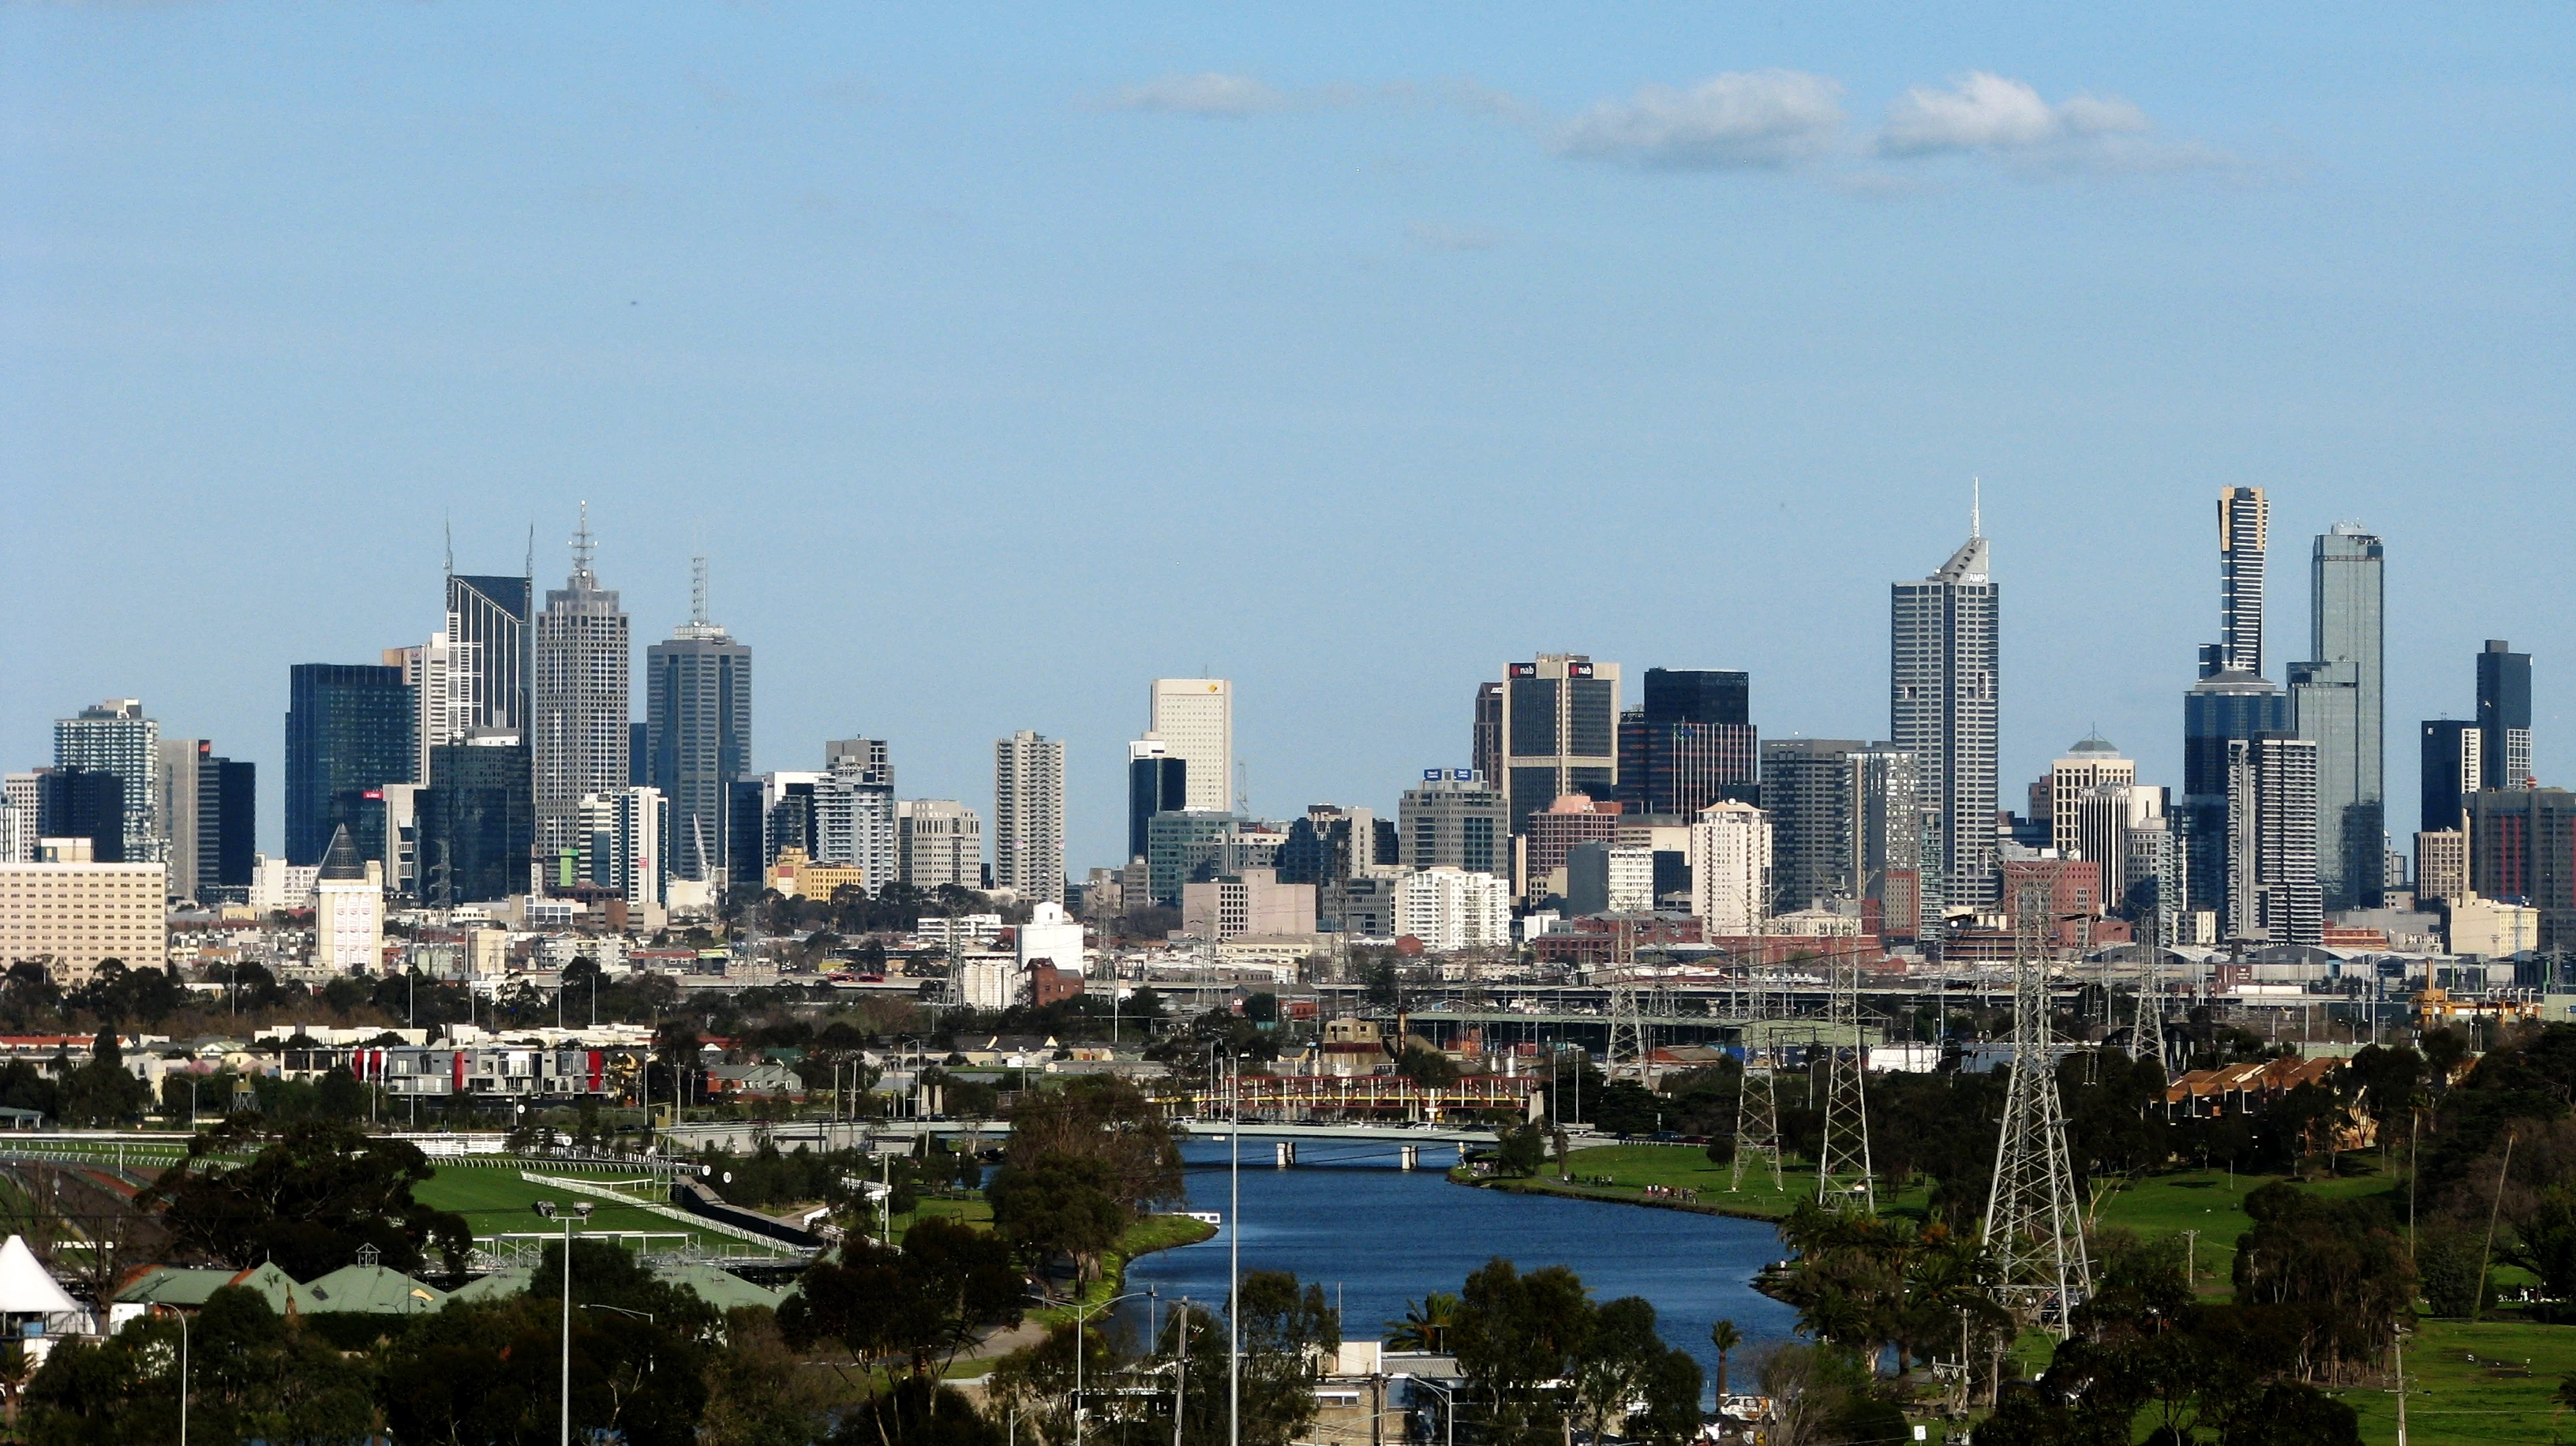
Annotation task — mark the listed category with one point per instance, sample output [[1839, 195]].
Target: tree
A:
[[1725, 1338], [924, 1301], [1428, 1068], [253, 1376], [101, 1092], [1515, 1331], [1522, 1151], [1059, 1204], [315, 1194], [1426, 1324]]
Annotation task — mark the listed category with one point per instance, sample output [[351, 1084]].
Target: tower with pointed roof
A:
[[1943, 692], [348, 908], [579, 739]]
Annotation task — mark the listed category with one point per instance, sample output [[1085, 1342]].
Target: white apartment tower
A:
[[1028, 816], [1194, 717], [1730, 860], [2090, 763], [942, 842], [623, 842], [114, 737], [1448, 909], [581, 735]]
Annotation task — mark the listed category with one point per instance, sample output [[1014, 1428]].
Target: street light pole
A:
[[183, 1379], [1234, 1257], [1079, 1311], [580, 1211]]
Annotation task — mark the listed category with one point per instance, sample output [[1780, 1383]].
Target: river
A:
[[1376, 1236]]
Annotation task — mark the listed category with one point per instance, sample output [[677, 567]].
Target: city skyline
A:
[[1036, 348]]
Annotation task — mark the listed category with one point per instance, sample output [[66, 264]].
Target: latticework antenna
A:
[[2034, 1228], [1757, 1105], [583, 544], [2147, 1029], [698, 590], [1842, 1164]]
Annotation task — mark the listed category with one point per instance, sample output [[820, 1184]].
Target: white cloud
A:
[[1208, 94], [1739, 119]]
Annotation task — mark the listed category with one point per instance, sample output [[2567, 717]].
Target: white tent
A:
[[29, 1296]]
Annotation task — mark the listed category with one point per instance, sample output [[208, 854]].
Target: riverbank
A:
[[1676, 1177]]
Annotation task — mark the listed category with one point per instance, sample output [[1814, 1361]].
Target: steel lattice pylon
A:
[[2034, 1227], [1757, 1102], [1627, 1030], [1842, 1164]]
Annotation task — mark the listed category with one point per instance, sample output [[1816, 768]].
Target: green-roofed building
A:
[[719, 1288], [174, 1287], [499, 1285], [368, 1288], [284, 1296]]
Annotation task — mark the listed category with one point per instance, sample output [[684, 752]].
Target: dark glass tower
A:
[[83, 803], [1691, 745], [492, 613], [237, 830], [477, 820], [697, 712], [1156, 783], [349, 731], [2452, 769], [2232, 702], [2504, 715]]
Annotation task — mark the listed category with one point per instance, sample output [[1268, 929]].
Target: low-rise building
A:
[[70, 913]]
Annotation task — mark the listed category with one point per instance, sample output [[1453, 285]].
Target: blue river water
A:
[[1375, 1237]]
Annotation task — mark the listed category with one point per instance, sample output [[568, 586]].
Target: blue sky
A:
[[1004, 359]]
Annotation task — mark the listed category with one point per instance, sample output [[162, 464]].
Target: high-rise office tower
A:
[[622, 833], [1485, 751], [854, 811], [209, 816], [349, 732], [492, 615], [581, 699], [942, 841], [1810, 789], [2504, 715], [1195, 719], [1455, 818], [84, 803], [2452, 766], [2127, 829], [2522, 845], [1028, 816], [2232, 702], [2337, 700], [2089, 762], [1560, 732], [114, 737], [1690, 745], [764, 814], [477, 820], [2272, 888], [1942, 703], [1892, 842], [697, 730], [1331, 843], [1158, 781], [444, 675]]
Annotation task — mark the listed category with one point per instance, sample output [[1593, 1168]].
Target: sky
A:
[[1002, 360]]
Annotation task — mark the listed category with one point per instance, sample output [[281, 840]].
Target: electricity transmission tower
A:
[[1628, 1042], [1757, 1104], [2147, 1030], [2033, 1224], [1842, 1164]]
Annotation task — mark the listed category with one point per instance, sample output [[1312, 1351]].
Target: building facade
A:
[[1553, 831], [1810, 789], [1944, 680], [942, 842], [87, 804], [114, 737], [2522, 850], [2272, 888], [580, 741], [478, 820], [493, 616], [624, 835], [1455, 818], [1028, 816], [1691, 744], [1158, 781], [1560, 732], [2504, 715], [1730, 862], [2452, 766], [349, 732], [1194, 717], [2090, 762], [348, 910], [697, 733], [2337, 701], [72, 913], [1448, 910]]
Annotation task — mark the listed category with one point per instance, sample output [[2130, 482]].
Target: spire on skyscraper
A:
[[583, 546]]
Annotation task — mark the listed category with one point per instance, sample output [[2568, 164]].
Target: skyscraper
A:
[[2089, 762], [697, 731], [2337, 700], [1158, 781], [1690, 745], [854, 812], [942, 841], [1485, 752], [491, 615], [581, 699], [2522, 845], [2272, 888], [84, 803], [2504, 715], [1942, 703], [1455, 818], [1195, 719], [1810, 789], [622, 833], [443, 675], [349, 731], [114, 737], [1028, 816], [1560, 732], [1730, 860], [2451, 767], [2232, 702], [208, 819], [477, 820]]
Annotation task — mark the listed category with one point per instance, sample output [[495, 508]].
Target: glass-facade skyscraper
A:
[[2338, 701], [477, 820], [2504, 715], [114, 737], [1560, 732], [349, 731], [1691, 745], [1943, 701], [2232, 702], [697, 734]]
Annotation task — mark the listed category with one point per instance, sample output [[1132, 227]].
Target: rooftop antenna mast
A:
[[448, 526], [1976, 507], [698, 590], [583, 544]]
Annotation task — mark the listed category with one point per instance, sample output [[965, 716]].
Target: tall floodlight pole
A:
[[1234, 1258], [1842, 1164], [2033, 1225]]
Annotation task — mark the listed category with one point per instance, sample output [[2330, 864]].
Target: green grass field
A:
[[2213, 1203], [497, 1201], [2503, 1395], [1629, 1169]]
